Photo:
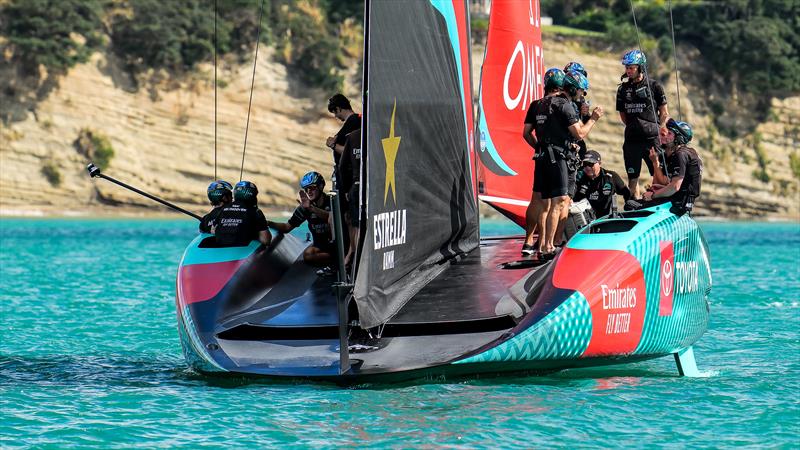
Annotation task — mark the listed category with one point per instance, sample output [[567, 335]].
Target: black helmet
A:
[[245, 192], [312, 178], [682, 131], [217, 191]]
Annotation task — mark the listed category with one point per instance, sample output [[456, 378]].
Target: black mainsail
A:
[[421, 209]]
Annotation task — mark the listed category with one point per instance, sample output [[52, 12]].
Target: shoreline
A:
[[143, 213]]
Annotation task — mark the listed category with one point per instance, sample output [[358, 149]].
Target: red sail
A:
[[511, 78]]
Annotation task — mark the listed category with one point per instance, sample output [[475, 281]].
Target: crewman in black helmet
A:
[[680, 181], [241, 222], [220, 194]]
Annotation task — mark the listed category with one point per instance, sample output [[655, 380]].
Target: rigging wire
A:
[[252, 85], [675, 57], [215, 89]]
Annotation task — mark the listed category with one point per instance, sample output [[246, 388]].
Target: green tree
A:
[[55, 33]]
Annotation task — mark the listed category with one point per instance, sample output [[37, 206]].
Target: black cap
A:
[[592, 157]]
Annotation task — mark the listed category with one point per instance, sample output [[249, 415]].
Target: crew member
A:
[[220, 193], [582, 103], [350, 184], [315, 208], [553, 83], [635, 100], [557, 127], [241, 222], [339, 106], [684, 166], [598, 185]]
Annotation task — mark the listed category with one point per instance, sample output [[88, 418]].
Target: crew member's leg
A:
[[317, 256], [632, 154], [531, 217], [572, 185], [558, 198]]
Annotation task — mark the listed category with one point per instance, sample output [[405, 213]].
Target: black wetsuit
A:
[[350, 173], [319, 227], [350, 124], [210, 220], [238, 224], [636, 100], [599, 190], [551, 117], [684, 162]]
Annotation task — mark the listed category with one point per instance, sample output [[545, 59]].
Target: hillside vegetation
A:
[[129, 84]]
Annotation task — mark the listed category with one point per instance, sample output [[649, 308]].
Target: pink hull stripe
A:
[[201, 282]]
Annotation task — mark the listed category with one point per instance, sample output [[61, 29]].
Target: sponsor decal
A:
[[389, 228], [666, 285], [616, 297], [526, 62]]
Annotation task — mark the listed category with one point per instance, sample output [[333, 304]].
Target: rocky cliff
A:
[[163, 139]]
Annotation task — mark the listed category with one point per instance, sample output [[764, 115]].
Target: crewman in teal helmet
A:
[[241, 222], [555, 121], [679, 182]]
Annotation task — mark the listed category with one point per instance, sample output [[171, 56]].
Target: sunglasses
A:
[[589, 164]]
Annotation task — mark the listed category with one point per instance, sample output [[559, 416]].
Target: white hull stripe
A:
[[507, 201]]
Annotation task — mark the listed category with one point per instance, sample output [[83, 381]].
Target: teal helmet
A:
[[553, 78], [682, 131], [245, 192], [312, 178], [575, 80], [634, 58], [217, 191], [577, 67]]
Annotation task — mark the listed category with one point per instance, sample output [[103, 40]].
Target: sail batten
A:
[[421, 202]]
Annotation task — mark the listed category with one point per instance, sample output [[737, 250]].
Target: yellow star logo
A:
[[390, 145]]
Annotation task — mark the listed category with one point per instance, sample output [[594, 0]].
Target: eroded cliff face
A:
[[163, 140]]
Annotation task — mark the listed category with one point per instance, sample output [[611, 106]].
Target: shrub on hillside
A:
[[95, 146], [51, 173], [306, 43]]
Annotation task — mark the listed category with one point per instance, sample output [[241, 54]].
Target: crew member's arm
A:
[[620, 187], [621, 106], [678, 173], [661, 100], [319, 212], [282, 227], [659, 172], [261, 224], [580, 130], [527, 134], [666, 191]]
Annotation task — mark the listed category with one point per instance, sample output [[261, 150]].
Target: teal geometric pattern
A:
[[562, 334]]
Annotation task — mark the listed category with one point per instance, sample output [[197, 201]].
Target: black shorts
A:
[[352, 203], [551, 180], [636, 150]]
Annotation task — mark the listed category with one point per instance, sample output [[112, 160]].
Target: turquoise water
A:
[[90, 357]]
